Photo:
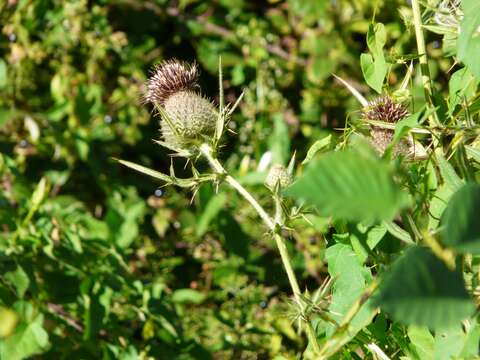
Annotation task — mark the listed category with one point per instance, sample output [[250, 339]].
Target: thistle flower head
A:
[[187, 116], [168, 78], [385, 109]]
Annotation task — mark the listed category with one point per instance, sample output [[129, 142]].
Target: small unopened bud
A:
[[278, 176]]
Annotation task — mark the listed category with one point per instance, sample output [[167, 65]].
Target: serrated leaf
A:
[[461, 228], [419, 289], [349, 186]]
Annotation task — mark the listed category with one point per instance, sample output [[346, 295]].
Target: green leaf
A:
[[318, 146], [468, 44], [374, 66], [461, 87], [351, 279], [19, 279], [29, 338], [449, 343], [398, 232], [188, 296], [461, 228], [419, 289], [422, 340], [364, 239], [350, 186], [374, 71]]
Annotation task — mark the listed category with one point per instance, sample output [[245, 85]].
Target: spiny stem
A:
[[422, 51], [273, 225]]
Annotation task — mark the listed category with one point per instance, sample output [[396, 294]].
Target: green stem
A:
[[422, 52], [273, 225]]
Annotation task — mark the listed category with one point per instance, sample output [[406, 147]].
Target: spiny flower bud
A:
[[187, 116], [192, 115], [385, 109], [278, 175]]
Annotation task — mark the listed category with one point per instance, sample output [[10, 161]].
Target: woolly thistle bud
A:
[[385, 109], [187, 116], [278, 175]]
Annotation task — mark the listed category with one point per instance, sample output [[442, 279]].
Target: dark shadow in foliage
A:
[[234, 238]]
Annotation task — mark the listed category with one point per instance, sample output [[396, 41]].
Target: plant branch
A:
[[422, 52], [274, 225]]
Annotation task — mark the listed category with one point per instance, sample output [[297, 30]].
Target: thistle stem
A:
[[273, 225], [423, 60]]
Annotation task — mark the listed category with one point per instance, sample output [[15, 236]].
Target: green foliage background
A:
[[94, 263]]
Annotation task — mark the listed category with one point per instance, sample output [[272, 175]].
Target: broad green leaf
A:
[[461, 225], [350, 281], [318, 146], [419, 289], [422, 340], [350, 186], [468, 44], [188, 296], [449, 343]]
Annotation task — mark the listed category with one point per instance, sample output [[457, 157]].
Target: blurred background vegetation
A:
[[97, 261]]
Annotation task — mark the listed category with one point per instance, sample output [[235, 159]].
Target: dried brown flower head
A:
[[385, 109], [169, 77]]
